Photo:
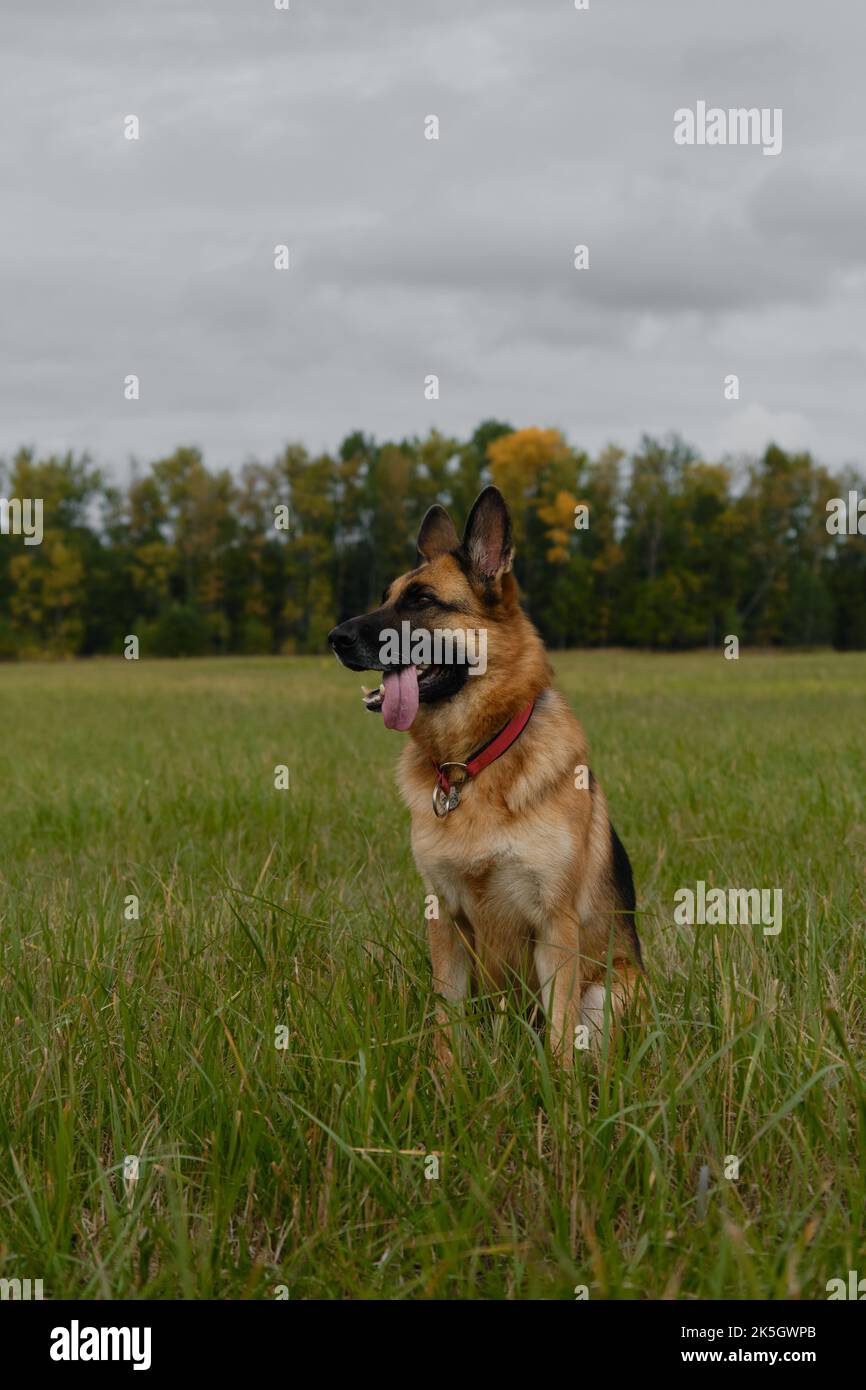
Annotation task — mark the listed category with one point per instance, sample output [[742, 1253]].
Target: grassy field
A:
[[304, 1167]]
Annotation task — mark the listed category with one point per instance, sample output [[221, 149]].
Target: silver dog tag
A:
[[443, 801]]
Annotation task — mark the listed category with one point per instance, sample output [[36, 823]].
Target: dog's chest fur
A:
[[515, 849]]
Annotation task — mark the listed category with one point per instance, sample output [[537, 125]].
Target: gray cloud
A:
[[411, 256]]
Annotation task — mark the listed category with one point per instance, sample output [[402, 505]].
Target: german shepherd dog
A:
[[531, 879]]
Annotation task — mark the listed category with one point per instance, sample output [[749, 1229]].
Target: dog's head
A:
[[439, 628]]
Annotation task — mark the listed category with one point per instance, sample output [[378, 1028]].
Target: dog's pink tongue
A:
[[400, 701]]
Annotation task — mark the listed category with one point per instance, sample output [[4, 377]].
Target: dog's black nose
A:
[[342, 638]]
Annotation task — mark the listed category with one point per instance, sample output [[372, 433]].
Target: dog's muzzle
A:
[[356, 644]]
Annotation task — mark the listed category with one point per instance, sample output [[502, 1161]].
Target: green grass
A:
[[262, 1167]]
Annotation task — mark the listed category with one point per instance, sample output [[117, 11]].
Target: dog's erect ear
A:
[[487, 538], [437, 534]]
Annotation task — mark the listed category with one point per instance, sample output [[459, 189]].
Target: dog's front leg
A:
[[557, 964], [451, 972]]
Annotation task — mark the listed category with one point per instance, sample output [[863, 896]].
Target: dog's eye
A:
[[423, 601]]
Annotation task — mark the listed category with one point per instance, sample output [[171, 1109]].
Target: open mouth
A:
[[400, 693]]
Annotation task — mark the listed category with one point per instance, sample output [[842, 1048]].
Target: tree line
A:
[[657, 548]]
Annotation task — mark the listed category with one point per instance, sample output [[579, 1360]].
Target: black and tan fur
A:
[[531, 878]]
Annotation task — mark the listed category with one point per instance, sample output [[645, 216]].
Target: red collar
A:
[[490, 751]]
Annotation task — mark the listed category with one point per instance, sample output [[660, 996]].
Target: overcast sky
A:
[[411, 256]]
